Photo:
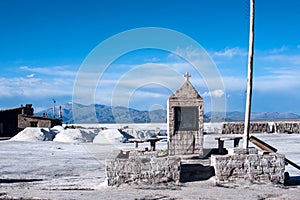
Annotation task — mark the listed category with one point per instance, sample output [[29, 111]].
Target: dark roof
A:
[[11, 109]]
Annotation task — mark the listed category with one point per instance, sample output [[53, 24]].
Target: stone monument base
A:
[[247, 165], [142, 167]]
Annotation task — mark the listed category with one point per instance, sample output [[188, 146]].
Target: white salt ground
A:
[[57, 129], [77, 171], [33, 166]]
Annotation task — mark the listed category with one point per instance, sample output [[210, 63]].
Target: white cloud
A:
[[30, 75], [273, 80], [56, 81], [116, 85], [230, 52], [153, 59], [143, 74], [35, 87], [190, 52], [54, 70], [149, 94], [279, 50], [216, 93], [279, 80], [234, 83], [124, 82], [161, 79], [282, 59]]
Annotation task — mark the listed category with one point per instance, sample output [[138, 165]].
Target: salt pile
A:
[[139, 133], [56, 134], [57, 129], [35, 134], [75, 135], [109, 136], [80, 135]]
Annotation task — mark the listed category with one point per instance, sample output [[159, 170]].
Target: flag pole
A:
[[250, 76]]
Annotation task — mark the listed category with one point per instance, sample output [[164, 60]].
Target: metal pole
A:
[[250, 76], [60, 113], [54, 108]]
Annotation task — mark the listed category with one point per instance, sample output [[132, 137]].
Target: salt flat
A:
[[54, 170]]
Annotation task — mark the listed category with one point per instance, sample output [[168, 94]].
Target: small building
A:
[[185, 121], [14, 120]]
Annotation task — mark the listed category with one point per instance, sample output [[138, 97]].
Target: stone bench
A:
[[152, 142], [221, 141]]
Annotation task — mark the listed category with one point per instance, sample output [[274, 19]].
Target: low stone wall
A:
[[238, 127], [254, 168], [262, 127], [142, 168], [287, 127]]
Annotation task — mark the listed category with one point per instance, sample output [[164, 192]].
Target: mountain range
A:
[[119, 114], [105, 114]]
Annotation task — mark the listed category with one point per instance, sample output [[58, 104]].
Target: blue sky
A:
[[44, 43]]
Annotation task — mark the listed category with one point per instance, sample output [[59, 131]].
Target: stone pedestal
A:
[[242, 167], [142, 168]]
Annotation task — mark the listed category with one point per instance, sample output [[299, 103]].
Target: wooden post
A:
[[250, 75]]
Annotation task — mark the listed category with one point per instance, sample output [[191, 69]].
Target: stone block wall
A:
[[143, 168], [37, 121], [182, 142], [287, 127], [186, 142], [254, 168], [238, 127], [25, 121], [262, 127]]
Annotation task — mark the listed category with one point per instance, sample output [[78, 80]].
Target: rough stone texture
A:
[[262, 127], [287, 127], [37, 121], [240, 150], [238, 127], [142, 168], [185, 141], [254, 168]]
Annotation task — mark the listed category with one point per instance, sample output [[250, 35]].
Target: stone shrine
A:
[[185, 121]]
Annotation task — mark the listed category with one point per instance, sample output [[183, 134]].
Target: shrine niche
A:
[[185, 121]]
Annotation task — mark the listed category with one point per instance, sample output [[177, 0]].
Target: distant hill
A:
[[104, 114]]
